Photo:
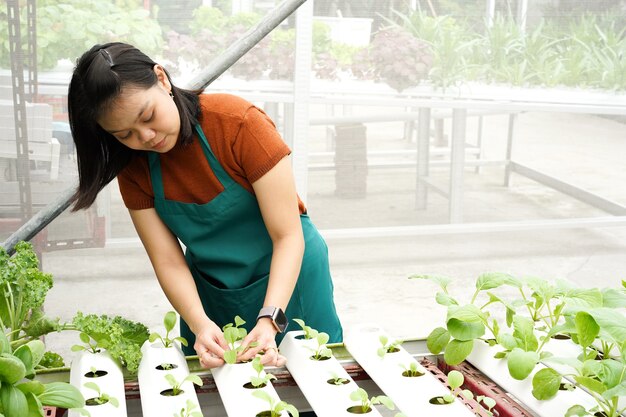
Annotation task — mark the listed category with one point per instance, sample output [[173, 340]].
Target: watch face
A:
[[280, 319]]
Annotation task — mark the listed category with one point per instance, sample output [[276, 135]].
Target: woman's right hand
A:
[[210, 345]]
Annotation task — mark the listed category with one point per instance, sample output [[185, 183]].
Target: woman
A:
[[210, 171]]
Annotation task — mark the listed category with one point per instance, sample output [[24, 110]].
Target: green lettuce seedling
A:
[[366, 403], [309, 332], [337, 380], [412, 371], [387, 347], [234, 334], [321, 352], [89, 344], [188, 411], [276, 408], [169, 321], [102, 397], [257, 380], [455, 380], [175, 384]]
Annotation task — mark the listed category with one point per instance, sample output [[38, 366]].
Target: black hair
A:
[[99, 77]]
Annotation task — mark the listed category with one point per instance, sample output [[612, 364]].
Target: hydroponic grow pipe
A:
[[216, 68]]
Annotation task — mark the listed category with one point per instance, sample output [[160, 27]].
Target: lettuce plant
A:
[[275, 408], [321, 353], [411, 371], [102, 397], [309, 332], [387, 347], [257, 380], [234, 334], [20, 394], [337, 380], [169, 321], [176, 385], [366, 403]]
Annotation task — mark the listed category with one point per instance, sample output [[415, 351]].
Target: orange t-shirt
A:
[[243, 139]]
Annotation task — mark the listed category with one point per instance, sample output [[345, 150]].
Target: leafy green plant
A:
[[234, 334], [176, 385], [20, 394], [455, 381], [309, 332], [412, 371], [337, 380], [322, 352], [604, 379], [102, 397], [261, 379], [275, 408], [189, 410], [89, 344], [387, 346], [367, 403], [169, 321]]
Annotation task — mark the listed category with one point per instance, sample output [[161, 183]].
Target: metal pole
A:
[[216, 68]]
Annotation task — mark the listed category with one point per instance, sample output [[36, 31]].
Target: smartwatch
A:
[[278, 317]]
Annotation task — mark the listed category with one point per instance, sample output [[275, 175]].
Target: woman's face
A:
[[144, 119]]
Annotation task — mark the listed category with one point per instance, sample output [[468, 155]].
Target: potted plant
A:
[[162, 365]]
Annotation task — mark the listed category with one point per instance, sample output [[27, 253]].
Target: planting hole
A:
[[412, 374], [357, 409], [392, 349], [566, 386], [96, 401], [267, 413], [561, 337], [170, 392], [248, 385], [338, 381], [167, 366], [439, 400], [321, 358], [95, 374]]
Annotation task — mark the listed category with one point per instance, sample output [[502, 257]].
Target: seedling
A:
[[102, 397], [487, 402], [89, 344], [188, 411], [412, 371], [95, 373], [176, 385], [387, 347], [258, 380], [337, 380], [367, 403], [455, 380], [234, 334], [322, 353], [276, 408], [309, 332], [169, 321]]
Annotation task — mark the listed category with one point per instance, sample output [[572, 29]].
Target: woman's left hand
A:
[[263, 335]]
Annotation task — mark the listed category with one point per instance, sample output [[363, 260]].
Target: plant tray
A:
[[480, 384]]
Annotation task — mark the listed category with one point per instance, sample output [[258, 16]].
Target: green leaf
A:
[[613, 298], [507, 341], [34, 387], [35, 408], [386, 401], [445, 300], [5, 345], [24, 354], [615, 392], [169, 321], [12, 369], [457, 351], [492, 280], [230, 356], [576, 410], [612, 322], [524, 333], [437, 340], [586, 328], [591, 384], [14, 401], [440, 280], [521, 363], [463, 330], [546, 384], [455, 379], [263, 395]]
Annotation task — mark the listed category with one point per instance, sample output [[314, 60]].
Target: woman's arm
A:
[[171, 269], [276, 194]]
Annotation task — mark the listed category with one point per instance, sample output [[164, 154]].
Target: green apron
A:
[[228, 250]]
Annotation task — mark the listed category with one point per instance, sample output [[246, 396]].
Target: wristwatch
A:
[[276, 314]]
